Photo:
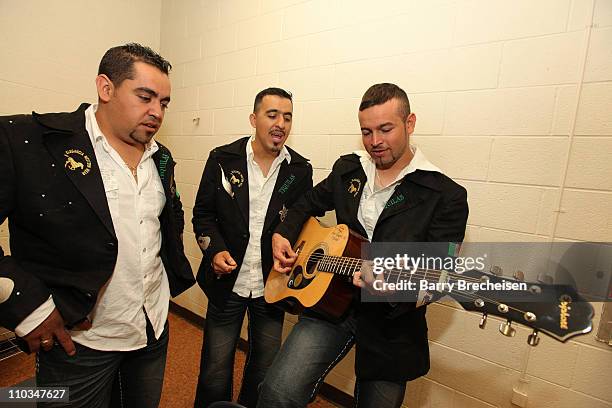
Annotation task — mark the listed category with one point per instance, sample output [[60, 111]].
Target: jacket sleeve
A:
[[205, 219], [20, 292], [315, 202], [450, 219], [177, 207]]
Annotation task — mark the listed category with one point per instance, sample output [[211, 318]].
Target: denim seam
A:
[[341, 354], [120, 387], [246, 362]]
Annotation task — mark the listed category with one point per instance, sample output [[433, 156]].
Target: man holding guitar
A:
[[390, 192], [245, 190]]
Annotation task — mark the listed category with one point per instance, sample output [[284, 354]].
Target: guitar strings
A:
[[356, 263]]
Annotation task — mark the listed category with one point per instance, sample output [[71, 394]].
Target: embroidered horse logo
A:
[[354, 187], [72, 164]]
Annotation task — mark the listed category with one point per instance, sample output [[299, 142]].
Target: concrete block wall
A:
[[512, 100]]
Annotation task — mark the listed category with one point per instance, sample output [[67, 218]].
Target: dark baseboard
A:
[[330, 392]]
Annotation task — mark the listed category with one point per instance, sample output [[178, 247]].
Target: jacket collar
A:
[[238, 148], [64, 122]]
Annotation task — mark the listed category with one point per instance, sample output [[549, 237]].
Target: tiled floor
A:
[[182, 367]]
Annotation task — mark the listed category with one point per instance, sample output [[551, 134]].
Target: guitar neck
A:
[[347, 266]]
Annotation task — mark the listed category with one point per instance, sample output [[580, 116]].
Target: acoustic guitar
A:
[[327, 259]]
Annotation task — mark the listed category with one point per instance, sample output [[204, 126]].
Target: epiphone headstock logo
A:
[[564, 307]]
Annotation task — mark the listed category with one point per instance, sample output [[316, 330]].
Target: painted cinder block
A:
[[309, 83], [270, 5], [521, 111], [202, 16], [232, 11], [260, 30], [322, 48], [543, 394], [489, 344], [585, 215], [553, 361], [217, 95], [580, 14], [528, 160], [433, 395], [565, 106], [464, 74], [238, 64], [184, 99], [246, 89], [282, 56], [187, 193], [589, 163], [232, 121], [449, 154], [546, 60], [189, 171], [313, 147], [602, 14], [486, 21], [466, 373], [592, 372], [594, 109], [599, 58], [222, 40], [509, 207], [185, 50], [199, 72], [171, 124], [197, 122], [429, 110], [308, 18]]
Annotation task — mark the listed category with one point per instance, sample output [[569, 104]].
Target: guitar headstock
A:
[[556, 310]]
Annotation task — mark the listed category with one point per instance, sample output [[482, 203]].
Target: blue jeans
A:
[[221, 335], [106, 378], [312, 349]]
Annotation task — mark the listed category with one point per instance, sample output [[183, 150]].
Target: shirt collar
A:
[[418, 162], [96, 135], [282, 155]]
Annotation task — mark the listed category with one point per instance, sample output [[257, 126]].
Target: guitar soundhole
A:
[[301, 278], [313, 259]]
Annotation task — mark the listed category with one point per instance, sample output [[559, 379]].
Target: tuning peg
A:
[[496, 270], [544, 278], [506, 329], [519, 276], [533, 339], [483, 321]]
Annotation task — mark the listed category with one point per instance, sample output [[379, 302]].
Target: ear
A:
[[105, 88], [253, 120], [410, 123]]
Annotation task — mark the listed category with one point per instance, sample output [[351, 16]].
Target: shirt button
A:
[[243, 235], [141, 221], [144, 250], [110, 245]]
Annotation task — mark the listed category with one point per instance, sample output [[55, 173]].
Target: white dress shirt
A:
[[139, 281], [374, 198], [250, 277]]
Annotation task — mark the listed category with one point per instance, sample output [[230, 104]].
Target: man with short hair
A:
[[96, 236], [388, 193], [244, 194]]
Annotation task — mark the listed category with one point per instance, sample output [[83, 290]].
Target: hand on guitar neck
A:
[[365, 279], [284, 256]]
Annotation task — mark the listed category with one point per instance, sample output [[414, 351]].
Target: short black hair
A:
[[118, 62], [381, 93], [271, 91]]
